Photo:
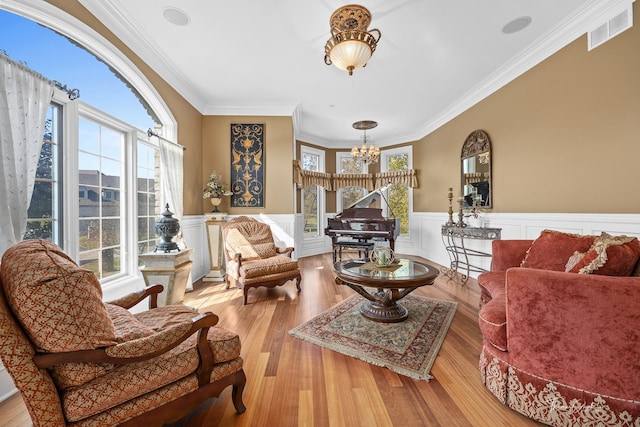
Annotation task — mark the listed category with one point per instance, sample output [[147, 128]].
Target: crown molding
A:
[[571, 28], [128, 31], [250, 110]]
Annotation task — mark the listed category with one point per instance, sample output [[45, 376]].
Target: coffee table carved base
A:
[[382, 306]]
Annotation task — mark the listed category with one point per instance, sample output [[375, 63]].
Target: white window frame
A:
[[384, 167], [56, 19], [321, 191]]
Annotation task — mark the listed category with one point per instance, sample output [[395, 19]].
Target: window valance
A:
[[405, 177], [304, 178], [342, 180], [333, 182]]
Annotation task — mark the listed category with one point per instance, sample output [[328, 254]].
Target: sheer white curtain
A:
[[24, 99], [171, 179]]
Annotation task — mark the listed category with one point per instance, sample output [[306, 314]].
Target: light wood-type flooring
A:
[[291, 382]]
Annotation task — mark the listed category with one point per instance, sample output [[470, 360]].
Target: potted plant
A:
[[215, 190]]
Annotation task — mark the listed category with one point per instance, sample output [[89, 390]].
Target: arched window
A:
[[96, 193]]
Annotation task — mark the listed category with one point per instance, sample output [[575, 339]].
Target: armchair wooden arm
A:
[[134, 298], [285, 251], [201, 324]]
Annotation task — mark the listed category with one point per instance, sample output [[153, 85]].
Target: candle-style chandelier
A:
[[365, 154]]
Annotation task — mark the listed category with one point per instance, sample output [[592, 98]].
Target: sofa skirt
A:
[[550, 402]]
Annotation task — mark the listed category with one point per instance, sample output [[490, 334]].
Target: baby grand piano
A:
[[361, 223]]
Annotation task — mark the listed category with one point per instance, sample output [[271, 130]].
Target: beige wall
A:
[[188, 118], [216, 154], [564, 135]]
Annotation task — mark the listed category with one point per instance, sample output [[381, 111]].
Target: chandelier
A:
[[350, 45], [364, 154]]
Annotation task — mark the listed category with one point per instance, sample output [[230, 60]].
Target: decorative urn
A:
[[167, 227]]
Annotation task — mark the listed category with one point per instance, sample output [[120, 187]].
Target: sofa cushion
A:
[[58, 303], [552, 250], [492, 319], [491, 283], [126, 382], [608, 256]]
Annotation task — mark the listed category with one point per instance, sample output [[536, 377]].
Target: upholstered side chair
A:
[[80, 362], [253, 259]]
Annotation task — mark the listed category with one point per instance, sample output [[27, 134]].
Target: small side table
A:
[[453, 238], [214, 237], [170, 269]]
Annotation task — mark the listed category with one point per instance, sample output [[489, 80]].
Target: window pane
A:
[[99, 194], [399, 194], [43, 215], [350, 195], [110, 262], [42, 200], [310, 210], [89, 237], [110, 232], [147, 193]]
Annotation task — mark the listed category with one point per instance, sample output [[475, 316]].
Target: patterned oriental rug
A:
[[408, 348]]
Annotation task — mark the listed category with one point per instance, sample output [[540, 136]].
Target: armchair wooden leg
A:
[[236, 393], [245, 291]]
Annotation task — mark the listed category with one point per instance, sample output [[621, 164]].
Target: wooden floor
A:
[[291, 382]]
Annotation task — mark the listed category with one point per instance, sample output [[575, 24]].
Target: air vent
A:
[[611, 28]]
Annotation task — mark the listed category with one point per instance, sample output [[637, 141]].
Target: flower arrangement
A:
[[215, 188]]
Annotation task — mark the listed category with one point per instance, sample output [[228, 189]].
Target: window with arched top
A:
[[97, 185]]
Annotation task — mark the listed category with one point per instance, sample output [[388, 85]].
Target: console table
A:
[[453, 237]]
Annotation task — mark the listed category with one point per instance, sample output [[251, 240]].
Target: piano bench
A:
[[362, 247]]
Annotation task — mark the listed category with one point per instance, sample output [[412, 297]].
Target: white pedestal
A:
[[214, 236], [170, 269]]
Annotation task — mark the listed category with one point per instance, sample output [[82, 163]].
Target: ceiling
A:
[[266, 57]]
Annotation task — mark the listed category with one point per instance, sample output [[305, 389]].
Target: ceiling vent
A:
[[611, 28]]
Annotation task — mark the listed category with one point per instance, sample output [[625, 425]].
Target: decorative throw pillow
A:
[[58, 304], [609, 256], [552, 250]]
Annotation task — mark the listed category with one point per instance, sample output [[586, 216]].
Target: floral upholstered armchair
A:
[[80, 362], [253, 259]]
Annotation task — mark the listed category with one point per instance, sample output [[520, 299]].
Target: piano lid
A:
[[367, 200]]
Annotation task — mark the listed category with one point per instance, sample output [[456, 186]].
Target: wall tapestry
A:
[[247, 165]]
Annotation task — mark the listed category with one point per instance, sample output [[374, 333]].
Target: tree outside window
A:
[[399, 194], [350, 195]]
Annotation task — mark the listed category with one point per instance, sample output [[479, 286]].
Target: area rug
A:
[[408, 348]]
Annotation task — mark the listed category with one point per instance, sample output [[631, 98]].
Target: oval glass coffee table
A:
[[388, 285]]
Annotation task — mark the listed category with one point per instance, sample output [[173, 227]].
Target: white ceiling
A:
[[266, 57]]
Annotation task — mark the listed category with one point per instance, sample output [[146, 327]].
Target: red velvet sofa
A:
[[560, 347]]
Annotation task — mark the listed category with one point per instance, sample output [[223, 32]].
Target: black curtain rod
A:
[[151, 133], [71, 93]]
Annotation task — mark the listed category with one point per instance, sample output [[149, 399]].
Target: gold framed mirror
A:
[[476, 170]]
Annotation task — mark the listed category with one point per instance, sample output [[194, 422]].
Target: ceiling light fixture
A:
[[364, 154], [350, 45]]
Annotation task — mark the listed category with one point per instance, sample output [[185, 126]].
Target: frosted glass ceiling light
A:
[[350, 45]]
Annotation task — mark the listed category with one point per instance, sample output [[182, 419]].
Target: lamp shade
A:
[[350, 54]]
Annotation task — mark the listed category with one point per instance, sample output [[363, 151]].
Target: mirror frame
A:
[[477, 143]]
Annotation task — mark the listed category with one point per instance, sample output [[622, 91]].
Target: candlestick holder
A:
[[450, 222], [460, 222]]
